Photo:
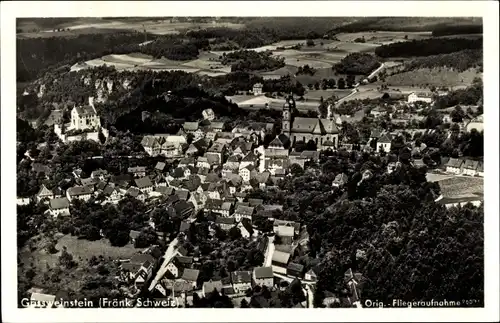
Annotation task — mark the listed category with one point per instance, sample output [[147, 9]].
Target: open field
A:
[[461, 186], [384, 37], [317, 94], [436, 76], [75, 26]]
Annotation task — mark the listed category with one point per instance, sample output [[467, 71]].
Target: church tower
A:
[[287, 118]]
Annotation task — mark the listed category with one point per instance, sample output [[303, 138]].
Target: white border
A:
[[12, 9]]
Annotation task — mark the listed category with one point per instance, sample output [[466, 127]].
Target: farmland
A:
[[436, 76], [461, 186]]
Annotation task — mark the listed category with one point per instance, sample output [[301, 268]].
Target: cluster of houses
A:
[[469, 167]]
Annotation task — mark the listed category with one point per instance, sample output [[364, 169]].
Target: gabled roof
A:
[[133, 191], [79, 190], [138, 169], [341, 179], [281, 257], [239, 277], [210, 286], [245, 210], [454, 162], [143, 182], [247, 225], [85, 110], [385, 138], [250, 157], [295, 267], [59, 203], [190, 275], [223, 220], [255, 202], [471, 164], [160, 166], [263, 272], [44, 191], [190, 126]]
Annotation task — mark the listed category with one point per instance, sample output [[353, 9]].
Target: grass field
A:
[[438, 77], [461, 186], [383, 37], [317, 94], [32, 28]]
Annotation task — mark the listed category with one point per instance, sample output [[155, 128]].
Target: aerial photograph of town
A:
[[250, 162]]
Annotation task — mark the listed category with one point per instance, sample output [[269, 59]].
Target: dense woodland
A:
[[460, 61], [427, 47], [249, 60], [447, 30], [357, 64]]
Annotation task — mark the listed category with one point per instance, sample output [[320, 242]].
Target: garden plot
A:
[[347, 47]]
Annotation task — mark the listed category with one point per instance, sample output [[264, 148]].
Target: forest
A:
[[357, 64], [459, 61], [471, 95], [249, 60], [427, 47], [448, 30]]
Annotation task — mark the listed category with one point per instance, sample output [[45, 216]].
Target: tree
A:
[[234, 233], [457, 114], [350, 80], [66, 259], [296, 170], [341, 83], [311, 145], [146, 238], [310, 42], [119, 238], [244, 304]]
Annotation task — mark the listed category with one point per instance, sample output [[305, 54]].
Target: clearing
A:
[[383, 37], [461, 186], [436, 76]]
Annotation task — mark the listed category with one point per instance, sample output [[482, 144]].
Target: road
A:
[[382, 65], [169, 254]]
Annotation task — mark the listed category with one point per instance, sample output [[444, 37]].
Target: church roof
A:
[[314, 125]]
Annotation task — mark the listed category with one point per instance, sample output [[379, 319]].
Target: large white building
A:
[[420, 97], [85, 117]]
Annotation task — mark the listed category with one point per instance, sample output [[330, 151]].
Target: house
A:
[[312, 274], [454, 166], [190, 127], [182, 194], [184, 209], [100, 174], [188, 161], [225, 223], [480, 170], [211, 286], [137, 172], [144, 184], [202, 162], [23, 200], [241, 281], [59, 206], [136, 193], [384, 143], [79, 192], [280, 261], [420, 97], [354, 283], [213, 206], [226, 209], [248, 172], [257, 89], [418, 163], [378, 111], [133, 235], [217, 149], [246, 228], [243, 212], [281, 223], [138, 269], [44, 193], [263, 276], [470, 167], [340, 180], [295, 270], [191, 276], [208, 114], [178, 264], [160, 166], [217, 127], [39, 300]]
